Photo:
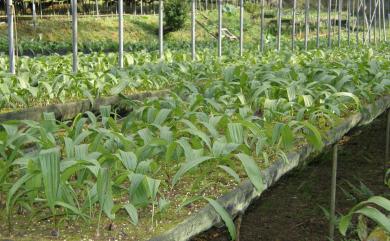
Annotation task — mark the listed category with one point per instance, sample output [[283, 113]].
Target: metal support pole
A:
[[279, 24], [375, 23], [34, 14], [318, 24], [219, 28], [364, 22], [384, 21], [241, 27], [357, 22], [334, 16], [349, 23], [294, 25], [370, 17], [11, 43], [333, 193], [193, 31], [74, 36], [306, 22], [97, 7], [329, 24], [379, 23], [161, 31], [120, 8], [262, 26], [339, 18]]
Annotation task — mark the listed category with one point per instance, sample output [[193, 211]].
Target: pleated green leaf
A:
[[50, 167], [252, 171], [104, 191], [225, 216]]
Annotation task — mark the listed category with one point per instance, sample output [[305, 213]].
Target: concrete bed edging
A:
[[69, 111], [239, 199]]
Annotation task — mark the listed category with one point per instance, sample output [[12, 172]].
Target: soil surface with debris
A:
[[292, 210]]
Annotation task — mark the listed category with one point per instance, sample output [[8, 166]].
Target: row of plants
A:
[[221, 123], [35, 48], [49, 79]]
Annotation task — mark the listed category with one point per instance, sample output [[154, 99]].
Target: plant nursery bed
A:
[[186, 223], [238, 200], [150, 175], [70, 110], [291, 210]]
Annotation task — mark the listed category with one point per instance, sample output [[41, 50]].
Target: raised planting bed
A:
[[69, 111], [166, 159], [238, 200]]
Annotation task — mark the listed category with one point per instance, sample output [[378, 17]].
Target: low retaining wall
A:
[[238, 200], [70, 110]]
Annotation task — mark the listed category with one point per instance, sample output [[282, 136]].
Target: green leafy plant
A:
[[368, 209], [222, 122]]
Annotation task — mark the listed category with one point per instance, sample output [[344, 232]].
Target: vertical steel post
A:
[[219, 28], [306, 22], [349, 23], [364, 21], [375, 23], [97, 7], [241, 27], [384, 21], [334, 17], [354, 16], [379, 22], [34, 14], [161, 31], [329, 24], [74, 35], [279, 24], [262, 26], [318, 24], [193, 31], [294, 25], [333, 193], [370, 17], [11, 43], [357, 21], [120, 30], [339, 29]]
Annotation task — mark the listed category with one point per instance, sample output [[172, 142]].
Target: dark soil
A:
[[291, 210]]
